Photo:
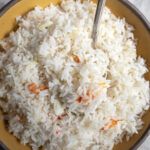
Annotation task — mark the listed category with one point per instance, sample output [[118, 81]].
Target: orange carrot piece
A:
[[111, 124], [42, 87], [60, 117], [33, 88], [76, 58], [79, 99], [91, 94]]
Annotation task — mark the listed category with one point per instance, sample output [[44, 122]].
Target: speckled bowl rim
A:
[[146, 23]]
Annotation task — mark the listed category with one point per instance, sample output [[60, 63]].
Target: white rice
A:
[[91, 97]]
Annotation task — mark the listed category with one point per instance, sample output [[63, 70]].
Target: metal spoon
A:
[[98, 14]]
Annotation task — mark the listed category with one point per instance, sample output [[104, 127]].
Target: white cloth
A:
[[3, 2], [144, 6]]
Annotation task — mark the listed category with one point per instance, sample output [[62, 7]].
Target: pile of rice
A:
[[61, 93]]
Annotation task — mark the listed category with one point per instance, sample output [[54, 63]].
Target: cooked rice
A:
[[61, 93]]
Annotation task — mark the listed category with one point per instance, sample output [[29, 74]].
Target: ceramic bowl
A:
[[121, 8]]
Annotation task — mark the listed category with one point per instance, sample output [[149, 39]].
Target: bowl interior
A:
[[118, 8]]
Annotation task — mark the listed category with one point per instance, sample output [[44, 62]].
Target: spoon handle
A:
[[98, 14]]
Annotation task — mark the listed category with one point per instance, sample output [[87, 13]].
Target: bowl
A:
[[119, 8]]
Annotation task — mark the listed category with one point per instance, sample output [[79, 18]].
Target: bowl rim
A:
[[146, 23], [137, 12]]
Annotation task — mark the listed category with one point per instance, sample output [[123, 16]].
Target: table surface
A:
[[144, 7]]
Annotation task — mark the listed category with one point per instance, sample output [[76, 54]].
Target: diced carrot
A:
[[76, 58], [93, 94], [79, 99], [60, 117], [86, 100], [33, 88], [42, 87], [83, 101], [90, 94], [111, 124]]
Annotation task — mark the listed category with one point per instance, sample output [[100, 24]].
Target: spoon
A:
[[98, 15]]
